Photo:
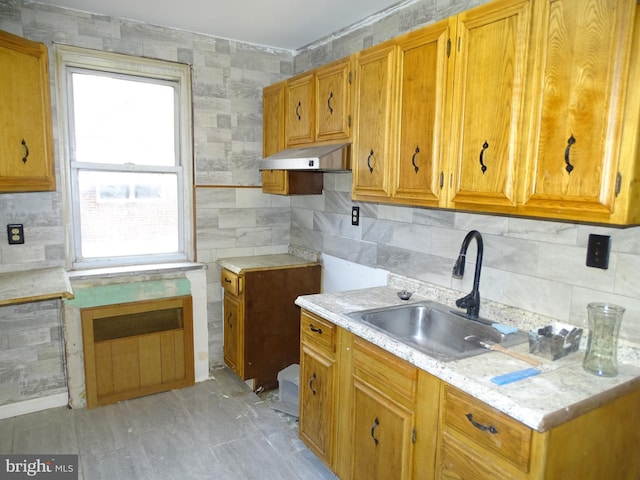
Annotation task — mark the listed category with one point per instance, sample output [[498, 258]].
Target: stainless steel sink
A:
[[436, 330]]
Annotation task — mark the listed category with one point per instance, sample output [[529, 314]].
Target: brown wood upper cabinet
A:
[[491, 47], [311, 108], [450, 89], [582, 148], [318, 105], [26, 136]]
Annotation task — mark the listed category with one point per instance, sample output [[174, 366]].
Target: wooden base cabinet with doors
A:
[[370, 415], [26, 136], [261, 323]]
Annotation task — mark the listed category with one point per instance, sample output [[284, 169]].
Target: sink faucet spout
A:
[[471, 301]]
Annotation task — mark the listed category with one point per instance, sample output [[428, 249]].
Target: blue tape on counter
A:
[[515, 376]]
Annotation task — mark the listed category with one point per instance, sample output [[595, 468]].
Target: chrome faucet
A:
[[472, 301]]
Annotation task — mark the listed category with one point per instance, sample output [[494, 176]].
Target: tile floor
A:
[[217, 429]]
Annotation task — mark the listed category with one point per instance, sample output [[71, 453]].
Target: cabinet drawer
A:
[[392, 375], [486, 427], [231, 282], [318, 331]]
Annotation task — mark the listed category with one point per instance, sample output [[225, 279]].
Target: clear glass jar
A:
[[602, 348]]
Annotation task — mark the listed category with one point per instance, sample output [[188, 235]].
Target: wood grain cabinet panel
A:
[[491, 51], [421, 164], [136, 349], [584, 74], [333, 101], [374, 132], [26, 136], [300, 110]]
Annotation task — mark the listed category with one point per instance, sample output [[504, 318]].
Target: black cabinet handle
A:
[[298, 109], [376, 422], [311, 382], [315, 329], [483, 167], [229, 321], [26, 151], [369, 161], [567, 152], [329, 103], [413, 159], [485, 428]]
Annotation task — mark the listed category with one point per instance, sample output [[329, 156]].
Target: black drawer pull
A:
[[483, 167], [567, 153], [315, 329], [311, 382], [26, 151], [227, 280], [376, 422], [490, 428]]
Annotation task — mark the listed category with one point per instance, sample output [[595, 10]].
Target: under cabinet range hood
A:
[[323, 158]]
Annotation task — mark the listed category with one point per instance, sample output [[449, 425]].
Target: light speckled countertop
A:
[[263, 262], [562, 391]]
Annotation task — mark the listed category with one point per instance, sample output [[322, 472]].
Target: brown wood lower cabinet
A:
[[392, 420], [136, 349], [261, 321]]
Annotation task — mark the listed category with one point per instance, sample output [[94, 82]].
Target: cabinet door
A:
[[26, 138], [424, 89], [300, 116], [333, 101], [317, 412], [578, 86], [273, 118], [382, 435], [233, 334], [491, 54], [376, 120]]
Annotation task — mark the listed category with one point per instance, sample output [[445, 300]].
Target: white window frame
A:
[[70, 59]]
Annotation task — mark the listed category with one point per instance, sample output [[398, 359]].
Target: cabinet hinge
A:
[[413, 435], [441, 180], [449, 46], [619, 177]]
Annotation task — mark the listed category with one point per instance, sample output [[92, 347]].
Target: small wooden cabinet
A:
[[491, 51], [137, 349], [261, 322], [420, 163], [333, 105], [383, 425], [26, 136], [282, 182], [374, 132], [318, 382]]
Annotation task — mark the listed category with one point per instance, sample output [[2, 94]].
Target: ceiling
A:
[[286, 24]]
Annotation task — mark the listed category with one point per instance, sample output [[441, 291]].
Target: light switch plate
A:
[[598, 250]]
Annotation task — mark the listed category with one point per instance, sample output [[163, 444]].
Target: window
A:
[[127, 140]]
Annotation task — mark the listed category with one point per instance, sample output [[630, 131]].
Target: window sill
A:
[[118, 272]]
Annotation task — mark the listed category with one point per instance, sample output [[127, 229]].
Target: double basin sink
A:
[[436, 330]]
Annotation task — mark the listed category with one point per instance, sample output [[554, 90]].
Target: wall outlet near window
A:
[[15, 233]]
